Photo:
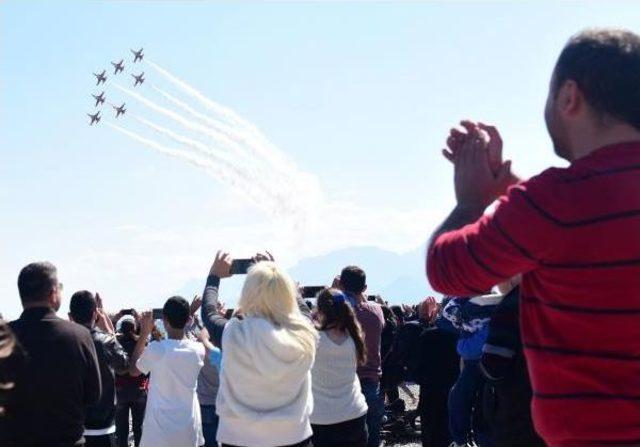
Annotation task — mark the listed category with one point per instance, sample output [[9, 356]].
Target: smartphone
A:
[[241, 266], [311, 291], [197, 328], [229, 314], [372, 297], [126, 312], [157, 314]]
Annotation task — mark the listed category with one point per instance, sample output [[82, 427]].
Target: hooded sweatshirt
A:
[[265, 397]]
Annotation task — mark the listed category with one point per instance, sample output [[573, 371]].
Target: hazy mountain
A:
[[399, 278]]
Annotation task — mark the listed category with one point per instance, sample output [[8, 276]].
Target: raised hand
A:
[[476, 185], [221, 266], [146, 323], [195, 304], [266, 256], [430, 308], [457, 139], [494, 147], [99, 304], [104, 322]]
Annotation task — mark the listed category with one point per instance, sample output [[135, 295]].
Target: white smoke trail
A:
[[267, 149], [211, 169], [255, 147], [216, 157], [226, 142], [228, 114], [282, 183]]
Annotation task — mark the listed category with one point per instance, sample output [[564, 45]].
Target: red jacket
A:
[[574, 233]]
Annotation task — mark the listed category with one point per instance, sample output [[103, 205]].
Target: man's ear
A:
[[570, 98]]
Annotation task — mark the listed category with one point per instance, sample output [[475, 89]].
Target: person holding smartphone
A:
[[172, 416], [265, 381]]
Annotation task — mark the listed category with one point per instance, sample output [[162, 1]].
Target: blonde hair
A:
[[270, 293]]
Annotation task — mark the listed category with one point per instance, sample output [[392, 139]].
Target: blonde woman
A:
[[265, 397]]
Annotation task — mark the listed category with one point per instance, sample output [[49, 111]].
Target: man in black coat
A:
[[60, 376]]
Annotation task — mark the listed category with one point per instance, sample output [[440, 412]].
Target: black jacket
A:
[[59, 378], [112, 359]]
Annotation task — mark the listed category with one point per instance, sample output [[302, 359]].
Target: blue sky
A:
[[359, 95]]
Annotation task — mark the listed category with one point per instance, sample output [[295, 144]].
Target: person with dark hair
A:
[[172, 417], [99, 423], [387, 338], [61, 374], [131, 390], [399, 313], [574, 235], [426, 354], [339, 407], [353, 282]]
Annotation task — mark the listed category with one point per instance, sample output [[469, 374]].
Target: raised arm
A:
[[146, 326], [211, 318]]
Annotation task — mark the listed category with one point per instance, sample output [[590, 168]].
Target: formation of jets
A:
[[101, 78]]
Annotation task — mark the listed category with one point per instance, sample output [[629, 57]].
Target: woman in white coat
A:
[[265, 397]]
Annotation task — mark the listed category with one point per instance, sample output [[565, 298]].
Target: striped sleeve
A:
[[472, 259]]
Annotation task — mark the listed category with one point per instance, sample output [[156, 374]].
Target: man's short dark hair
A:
[[82, 306], [605, 64], [176, 311], [36, 281], [353, 280]]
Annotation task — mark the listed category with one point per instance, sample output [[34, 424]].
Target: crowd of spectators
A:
[[535, 341]]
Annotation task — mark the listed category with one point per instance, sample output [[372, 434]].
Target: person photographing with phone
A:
[[172, 416], [265, 393]]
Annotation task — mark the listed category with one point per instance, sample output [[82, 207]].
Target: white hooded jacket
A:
[[265, 397]]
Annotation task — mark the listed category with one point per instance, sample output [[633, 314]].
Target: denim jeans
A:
[[209, 425], [463, 400], [375, 401]]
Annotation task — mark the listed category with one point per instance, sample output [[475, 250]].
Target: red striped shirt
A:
[[574, 233]]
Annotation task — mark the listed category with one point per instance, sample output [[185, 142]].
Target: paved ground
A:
[[409, 439]]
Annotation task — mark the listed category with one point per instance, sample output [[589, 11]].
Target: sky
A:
[[355, 98]]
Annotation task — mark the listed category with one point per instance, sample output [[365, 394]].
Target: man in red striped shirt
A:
[[573, 233]]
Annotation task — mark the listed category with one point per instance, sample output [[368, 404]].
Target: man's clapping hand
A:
[[480, 175]]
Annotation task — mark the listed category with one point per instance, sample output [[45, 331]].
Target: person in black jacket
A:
[[506, 400], [131, 390], [100, 418], [427, 354], [60, 376]]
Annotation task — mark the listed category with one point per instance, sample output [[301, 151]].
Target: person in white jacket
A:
[[265, 398], [339, 416]]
